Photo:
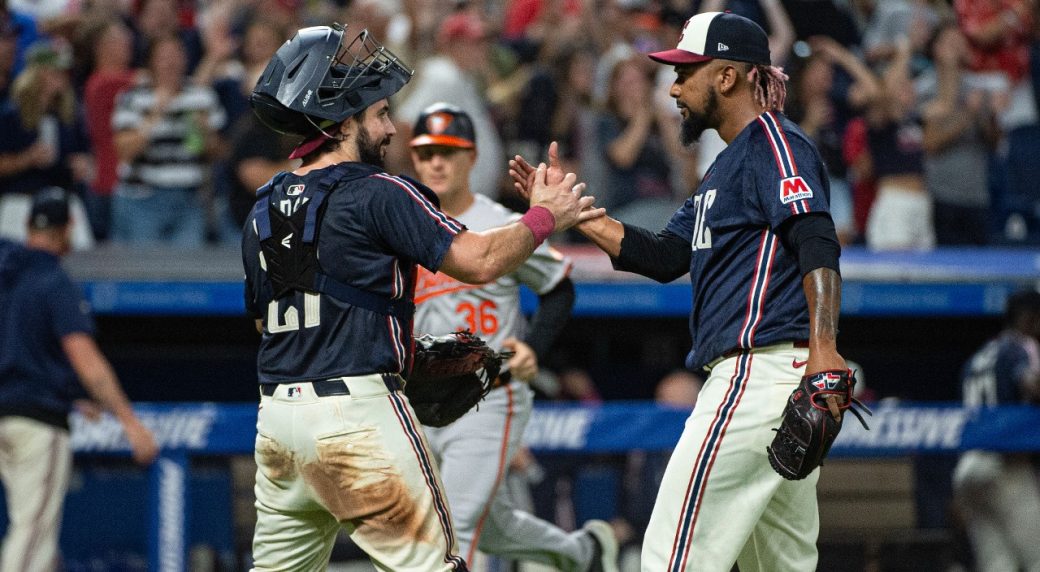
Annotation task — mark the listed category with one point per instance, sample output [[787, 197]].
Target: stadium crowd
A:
[[925, 112]]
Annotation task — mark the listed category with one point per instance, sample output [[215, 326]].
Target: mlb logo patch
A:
[[794, 189], [827, 381], [294, 190], [295, 392]]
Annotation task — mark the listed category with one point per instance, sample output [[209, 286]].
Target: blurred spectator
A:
[[112, 45], [23, 28], [901, 216], [52, 17], [860, 170], [612, 33], [1000, 493], [999, 33], [221, 66], [538, 20], [47, 351], [158, 19], [823, 118], [455, 75], [257, 155], [165, 130], [888, 22], [8, 55], [629, 138], [960, 131], [44, 144]]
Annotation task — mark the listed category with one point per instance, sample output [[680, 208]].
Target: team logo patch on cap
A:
[[438, 122], [794, 189]]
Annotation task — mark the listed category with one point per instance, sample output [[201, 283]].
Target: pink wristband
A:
[[541, 223]]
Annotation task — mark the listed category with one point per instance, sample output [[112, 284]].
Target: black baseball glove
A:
[[450, 375], [809, 428]]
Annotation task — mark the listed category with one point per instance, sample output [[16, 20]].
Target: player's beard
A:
[[694, 124], [373, 153]]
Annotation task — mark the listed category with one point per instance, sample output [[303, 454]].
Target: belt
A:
[[327, 387], [736, 351]]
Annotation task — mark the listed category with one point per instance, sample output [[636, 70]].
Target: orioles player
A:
[[475, 451], [762, 253]]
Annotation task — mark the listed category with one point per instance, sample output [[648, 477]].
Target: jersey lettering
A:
[[701, 232], [794, 189], [290, 321], [290, 206]]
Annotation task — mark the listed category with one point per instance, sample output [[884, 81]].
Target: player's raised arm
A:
[[478, 257]]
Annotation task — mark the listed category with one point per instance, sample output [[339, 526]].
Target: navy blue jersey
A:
[[994, 375], [747, 288], [375, 230], [39, 305]]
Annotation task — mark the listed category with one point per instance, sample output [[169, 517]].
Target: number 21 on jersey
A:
[[289, 320]]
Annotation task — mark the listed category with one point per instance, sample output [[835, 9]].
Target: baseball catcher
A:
[[451, 374], [811, 421]]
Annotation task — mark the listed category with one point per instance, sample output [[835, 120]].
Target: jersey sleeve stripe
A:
[[784, 144], [776, 155], [441, 218], [781, 152]]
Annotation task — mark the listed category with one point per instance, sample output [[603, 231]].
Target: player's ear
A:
[[728, 77]]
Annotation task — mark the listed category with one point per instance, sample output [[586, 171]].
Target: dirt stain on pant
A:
[[275, 460], [356, 480]]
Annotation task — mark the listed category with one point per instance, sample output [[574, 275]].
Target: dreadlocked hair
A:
[[768, 85]]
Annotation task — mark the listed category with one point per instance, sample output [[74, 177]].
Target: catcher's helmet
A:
[[313, 81]]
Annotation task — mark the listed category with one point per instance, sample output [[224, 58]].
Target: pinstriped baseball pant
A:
[[35, 464], [720, 502], [358, 462]]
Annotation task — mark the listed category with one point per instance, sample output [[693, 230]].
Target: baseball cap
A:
[[721, 35], [50, 208], [446, 125]]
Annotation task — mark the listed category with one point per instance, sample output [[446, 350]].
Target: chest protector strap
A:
[[288, 226]]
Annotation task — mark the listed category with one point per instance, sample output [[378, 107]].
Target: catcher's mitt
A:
[[808, 429], [450, 375]]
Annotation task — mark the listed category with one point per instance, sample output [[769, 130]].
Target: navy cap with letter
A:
[[721, 35], [445, 125], [50, 208]]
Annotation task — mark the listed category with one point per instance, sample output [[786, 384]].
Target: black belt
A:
[[323, 388], [327, 387]]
